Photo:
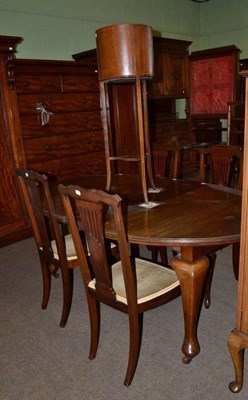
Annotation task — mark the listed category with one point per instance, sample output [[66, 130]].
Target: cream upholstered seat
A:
[[131, 285], [69, 247], [153, 280]]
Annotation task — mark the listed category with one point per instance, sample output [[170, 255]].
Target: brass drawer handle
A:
[[45, 115]]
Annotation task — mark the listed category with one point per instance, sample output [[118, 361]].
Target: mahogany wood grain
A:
[[14, 224], [76, 166], [49, 147], [124, 51], [71, 102]]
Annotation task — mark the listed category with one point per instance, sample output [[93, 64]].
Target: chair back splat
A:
[[222, 160], [56, 251], [131, 285]]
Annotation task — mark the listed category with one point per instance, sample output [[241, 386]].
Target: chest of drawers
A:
[[61, 128]]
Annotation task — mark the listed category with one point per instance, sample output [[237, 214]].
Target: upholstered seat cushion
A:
[[153, 280], [70, 249]]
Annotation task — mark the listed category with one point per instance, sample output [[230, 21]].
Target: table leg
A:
[[192, 278], [235, 259]]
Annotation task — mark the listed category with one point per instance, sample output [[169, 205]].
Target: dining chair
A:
[[165, 162], [55, 250], [131, 285], [221, 160]]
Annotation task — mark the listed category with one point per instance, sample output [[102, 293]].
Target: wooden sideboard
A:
[[49, 121]]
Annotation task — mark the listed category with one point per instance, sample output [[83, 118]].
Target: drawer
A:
[[87, 164], [72, 167], [61, 123], [45, 148], [80, 83], [40, 149], [80, 143], [59, 102], [46, 167], [38, 83]]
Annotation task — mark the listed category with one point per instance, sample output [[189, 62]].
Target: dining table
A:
[[198, 219]]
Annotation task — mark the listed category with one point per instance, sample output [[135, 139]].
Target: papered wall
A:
[[224, 22], [56, 29]]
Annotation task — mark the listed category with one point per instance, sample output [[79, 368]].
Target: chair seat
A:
[[153, 280], [70, 249]]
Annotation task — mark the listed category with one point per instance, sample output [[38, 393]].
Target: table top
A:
[[188, 213]]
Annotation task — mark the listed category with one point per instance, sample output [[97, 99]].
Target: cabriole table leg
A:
[[192, 277]]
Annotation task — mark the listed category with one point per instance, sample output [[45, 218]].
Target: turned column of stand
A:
[[238, 339], [125, 54]]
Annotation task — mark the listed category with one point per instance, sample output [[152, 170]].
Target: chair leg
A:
[[163, 255], [95, 318], [67, 279], [155, 250], [209, 278], [135, 250], [136, 327], [46, 279], [235, 259]]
